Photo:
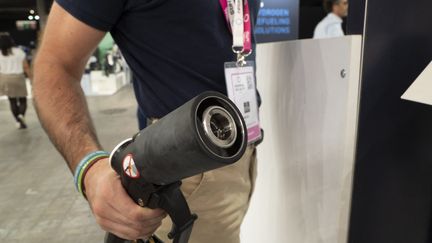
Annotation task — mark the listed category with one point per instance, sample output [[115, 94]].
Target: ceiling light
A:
[[32, 11], [37, 17], [30, 17]]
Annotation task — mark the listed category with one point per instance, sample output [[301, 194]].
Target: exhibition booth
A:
[[106, 71], [346, 155]]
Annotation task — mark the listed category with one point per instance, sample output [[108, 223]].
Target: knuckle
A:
[[98, 209], [102, 223], [149, 213], [135, 235], [137, 214], [127, 236], [104, 228]]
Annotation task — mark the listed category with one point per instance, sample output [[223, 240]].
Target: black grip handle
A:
[[138, 189]]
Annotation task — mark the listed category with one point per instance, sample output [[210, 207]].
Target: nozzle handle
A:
[[171, 199]]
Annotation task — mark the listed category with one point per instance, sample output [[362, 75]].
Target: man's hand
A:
[[114, 210]]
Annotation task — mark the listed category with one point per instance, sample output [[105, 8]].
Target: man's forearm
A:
[[63, 112]]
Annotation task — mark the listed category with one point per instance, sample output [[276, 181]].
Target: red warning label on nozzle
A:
[[129, 167]]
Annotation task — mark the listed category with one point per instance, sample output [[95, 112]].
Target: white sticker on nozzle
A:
[[129, 167]]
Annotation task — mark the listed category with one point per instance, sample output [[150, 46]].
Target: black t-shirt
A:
[[175, 48]]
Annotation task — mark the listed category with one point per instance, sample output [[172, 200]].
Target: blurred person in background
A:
[[13, 65], [331, 25]]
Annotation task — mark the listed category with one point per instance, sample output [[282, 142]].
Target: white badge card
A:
[[240, 82]]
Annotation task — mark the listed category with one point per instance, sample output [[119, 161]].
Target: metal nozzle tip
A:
[[219, 126]]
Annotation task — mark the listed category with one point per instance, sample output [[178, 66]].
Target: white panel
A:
[[306, 161], [421, 89]]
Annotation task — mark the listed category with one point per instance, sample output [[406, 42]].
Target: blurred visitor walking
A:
[[331, 25], [13, 65]]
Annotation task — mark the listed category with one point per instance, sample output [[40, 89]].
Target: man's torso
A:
[[176, 50]]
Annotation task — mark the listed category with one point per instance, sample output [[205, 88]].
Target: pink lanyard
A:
[[246, 47]]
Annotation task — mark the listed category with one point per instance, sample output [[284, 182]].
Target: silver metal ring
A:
[[219, 126], [240, 132], [117, 148], [236, 51], [247, 54]]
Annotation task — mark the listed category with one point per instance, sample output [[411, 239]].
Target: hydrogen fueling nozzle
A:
[[206, 133]]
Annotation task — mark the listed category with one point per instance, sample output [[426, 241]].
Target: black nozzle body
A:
[[179, 146]]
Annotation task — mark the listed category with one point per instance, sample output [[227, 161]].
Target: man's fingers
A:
[[127, 207], [145, 215], [114, 210], [123, 231], [114, 215]]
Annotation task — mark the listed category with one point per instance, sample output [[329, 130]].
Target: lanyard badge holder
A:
[[240, 75]]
